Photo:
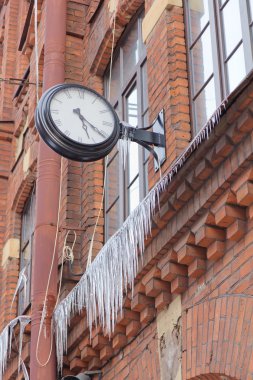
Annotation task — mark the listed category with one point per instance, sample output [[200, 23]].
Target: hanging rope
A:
[[67, 255]]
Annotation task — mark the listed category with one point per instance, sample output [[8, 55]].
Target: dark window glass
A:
[[27, 231], [128, 94]]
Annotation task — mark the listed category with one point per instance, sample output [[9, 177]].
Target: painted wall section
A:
[[11, 249], [169, 340], [154, 14]]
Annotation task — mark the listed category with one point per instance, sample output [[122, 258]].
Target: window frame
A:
[[220, 71], [28, 207], [127, 84]]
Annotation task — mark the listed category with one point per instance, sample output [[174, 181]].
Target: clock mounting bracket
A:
[[144, 137]]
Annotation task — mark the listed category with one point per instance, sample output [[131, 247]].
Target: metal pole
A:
[[47, 197]]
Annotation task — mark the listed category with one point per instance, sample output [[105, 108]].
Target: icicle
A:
[[26, 376], [102, 287], [22, 279], [6, 340]]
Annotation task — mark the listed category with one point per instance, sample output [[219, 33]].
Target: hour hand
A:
[[84, 126], [78, 112]]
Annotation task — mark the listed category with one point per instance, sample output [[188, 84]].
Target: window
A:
[[220, 51], [128, 95], [27, 231]]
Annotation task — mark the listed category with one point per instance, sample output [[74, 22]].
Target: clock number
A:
[[58, 122], [67, 93], [107, 123], [56, 112], [67, 133], [81, 94], [59, 101], [96, 98]]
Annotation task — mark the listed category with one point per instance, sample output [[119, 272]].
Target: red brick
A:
[[215, 250], [197, 268]]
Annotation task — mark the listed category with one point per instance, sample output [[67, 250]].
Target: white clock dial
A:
[[82, 115]]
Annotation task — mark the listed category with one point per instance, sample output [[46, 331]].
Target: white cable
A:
[[89, 259]]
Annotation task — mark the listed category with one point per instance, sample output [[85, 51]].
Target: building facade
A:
[[189, 314]]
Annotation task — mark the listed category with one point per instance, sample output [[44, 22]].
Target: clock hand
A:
[[101, 133], [84, 126]]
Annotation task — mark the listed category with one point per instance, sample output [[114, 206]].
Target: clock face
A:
[[82, 115], [77, 122]]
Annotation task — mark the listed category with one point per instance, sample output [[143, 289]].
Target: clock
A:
[[77, 122]]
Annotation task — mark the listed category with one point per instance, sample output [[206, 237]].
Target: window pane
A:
[[144, 87], [26, 256], [134, 195], [251, 9], [202, 60], [132, 108], [130, 51], [113, 91], [236, 68], [205, 105], [133, 166], [142, 46], [112, 182], [199, 16], [28, 219], [231, 25], [145, 124], [113, 220]]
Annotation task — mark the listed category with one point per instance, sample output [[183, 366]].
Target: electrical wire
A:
[[17, 81]]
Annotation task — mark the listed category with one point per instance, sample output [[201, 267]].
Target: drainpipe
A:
[[47, 198]]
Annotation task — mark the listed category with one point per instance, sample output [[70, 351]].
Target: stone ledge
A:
[[154, 14], [10, 249]]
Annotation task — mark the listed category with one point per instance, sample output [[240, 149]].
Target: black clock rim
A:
[[64, 146], [69, 85]]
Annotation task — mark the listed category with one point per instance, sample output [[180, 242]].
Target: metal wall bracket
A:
[[159, 127], [146, 138]]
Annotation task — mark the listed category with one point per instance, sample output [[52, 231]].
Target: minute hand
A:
[[101, 133]]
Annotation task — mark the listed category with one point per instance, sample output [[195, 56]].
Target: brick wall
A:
[[168, 84], [201, 245], [137, 361]]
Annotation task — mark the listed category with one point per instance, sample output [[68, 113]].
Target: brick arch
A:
[[23, 191], [213, 376], [217, 343]]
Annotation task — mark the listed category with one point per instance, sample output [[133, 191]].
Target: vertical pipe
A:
[[47, 197]]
